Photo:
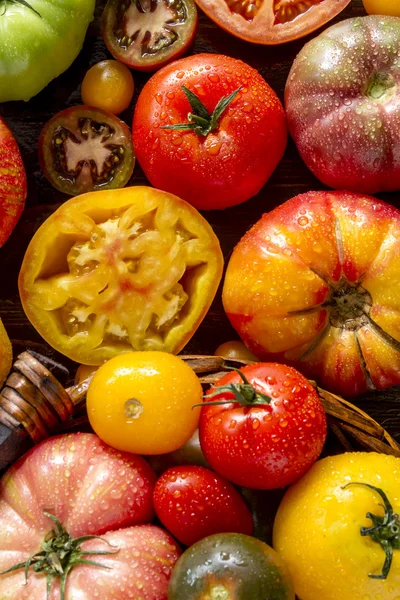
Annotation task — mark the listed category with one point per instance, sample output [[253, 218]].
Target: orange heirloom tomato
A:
[[382, 7], [316, 284], [120, 270], [142, 402]]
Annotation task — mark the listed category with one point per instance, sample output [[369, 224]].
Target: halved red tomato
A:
[[147, 34], [82, 149], [271, 21]]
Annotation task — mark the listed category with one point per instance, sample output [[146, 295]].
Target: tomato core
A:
[[148, 26], [133, 409], [86, 155]]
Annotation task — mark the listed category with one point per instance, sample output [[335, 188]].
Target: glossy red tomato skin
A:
[[93, 490], [232, 163], [193, 503], [343, 113], [265, 446], [13, 184]]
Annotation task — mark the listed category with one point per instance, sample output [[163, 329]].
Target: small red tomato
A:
[[269, 429], [193, 502], [12, 183]]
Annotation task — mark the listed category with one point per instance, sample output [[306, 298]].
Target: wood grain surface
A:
[[290, 178]]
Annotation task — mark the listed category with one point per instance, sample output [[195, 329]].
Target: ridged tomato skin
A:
[[342, 99], [291, 275], [93, 490], [13, 184], [233, 162]]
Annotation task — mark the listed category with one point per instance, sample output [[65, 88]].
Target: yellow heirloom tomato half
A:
[[120, 270], [5, 354], [329, 524]]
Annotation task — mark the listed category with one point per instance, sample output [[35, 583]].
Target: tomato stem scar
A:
[[133, 408]]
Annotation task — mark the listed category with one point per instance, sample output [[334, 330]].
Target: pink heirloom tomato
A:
[[342, 100], [60, 494], [316, 284]]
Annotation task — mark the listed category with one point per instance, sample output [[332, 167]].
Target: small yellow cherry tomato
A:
[[142, 402], [108, 85], [83, 372], [382, 7], [235, 350]]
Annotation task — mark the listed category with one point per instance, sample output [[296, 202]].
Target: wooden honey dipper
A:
[[34, 405]]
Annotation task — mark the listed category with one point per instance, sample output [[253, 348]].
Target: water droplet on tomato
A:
[[256, 424], [302, 221], [232, 424], [214, 77], [214, 148], [283, 423]]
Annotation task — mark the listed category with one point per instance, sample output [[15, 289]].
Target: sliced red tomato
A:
[[146, 34], [82, 149], [271, 21], [12, 183]]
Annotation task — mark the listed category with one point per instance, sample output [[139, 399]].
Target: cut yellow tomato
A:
[[120, 270], [142, 402]]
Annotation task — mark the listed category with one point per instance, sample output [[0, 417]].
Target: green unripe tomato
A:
[[36, 47]]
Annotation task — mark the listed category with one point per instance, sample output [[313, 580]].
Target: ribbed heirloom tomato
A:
[[209, 129], [53, 500], [316, 283], [118, 270]]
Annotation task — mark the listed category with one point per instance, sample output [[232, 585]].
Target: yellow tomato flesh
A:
[[142, 402], [108, 85], [382, 7], [317, 529]]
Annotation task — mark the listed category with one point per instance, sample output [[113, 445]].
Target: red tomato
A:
[[92, 490], [13, 186], [210, 162], [315, 283], [343, 104], [263, 442], [271, 21], [193, 502]]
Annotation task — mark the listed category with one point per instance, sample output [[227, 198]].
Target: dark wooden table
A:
[[291, 177]]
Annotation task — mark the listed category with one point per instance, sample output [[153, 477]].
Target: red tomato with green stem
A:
[[193, 502], [209, 129], [13, 186], [262, 427]]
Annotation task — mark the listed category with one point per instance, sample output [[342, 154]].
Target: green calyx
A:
[[23, 2], [200, 120], [244, 393], [385, 530], [59, 554]]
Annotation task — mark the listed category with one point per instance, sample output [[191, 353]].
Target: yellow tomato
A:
[[108, 85], [83, 372], [235, 350], [142, 402], [5, 354], [317, 530], [382, 7]]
